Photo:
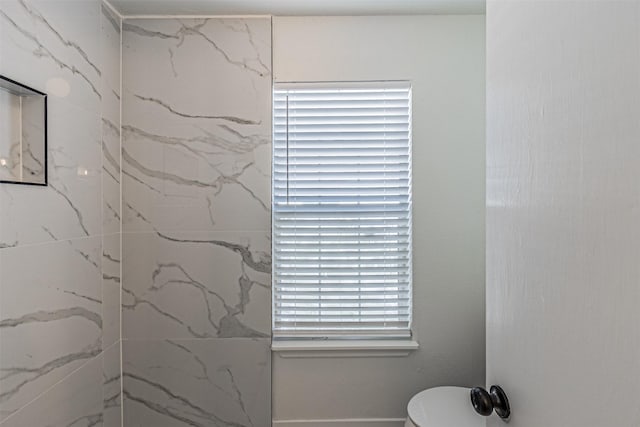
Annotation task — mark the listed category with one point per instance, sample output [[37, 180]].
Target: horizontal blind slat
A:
[[363, 254]]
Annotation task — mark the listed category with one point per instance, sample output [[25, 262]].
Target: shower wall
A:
[[196, 156], [60, 245]]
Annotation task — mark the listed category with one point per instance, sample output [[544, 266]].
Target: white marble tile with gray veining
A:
[[197, 383], [50, 316], [197, 131], [196, 285], [111, 261], [54, 47], [110, 43], [75, 401], [70, 206], [112, 386], [111, 200]]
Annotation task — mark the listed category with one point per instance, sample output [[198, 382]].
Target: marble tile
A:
[[204, 69], [196, 285], [111, 200], [112, 386], [110, 44], [111, 194], [196, 166], [215, 382], [197, 132], [70, 207], [54, 47], [110, 26], [56, 269], [74, 402], [50, 316], [111, 261]]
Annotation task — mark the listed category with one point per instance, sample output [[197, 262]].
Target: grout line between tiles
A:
[[47, 390], [121, 253], [50, 242], [113, 9]]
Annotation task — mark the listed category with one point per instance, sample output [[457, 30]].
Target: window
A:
[[342, 210]]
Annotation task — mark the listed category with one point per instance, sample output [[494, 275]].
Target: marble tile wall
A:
[[60, 245], [111, 48], [196, 152]]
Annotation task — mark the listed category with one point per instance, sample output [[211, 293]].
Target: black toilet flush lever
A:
[[485, 402]]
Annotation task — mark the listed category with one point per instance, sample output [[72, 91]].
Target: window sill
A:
[[346, 348]]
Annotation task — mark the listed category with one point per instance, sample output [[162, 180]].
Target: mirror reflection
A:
[[23, 134]]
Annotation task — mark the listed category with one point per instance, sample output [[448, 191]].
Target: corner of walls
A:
[[111, 43]]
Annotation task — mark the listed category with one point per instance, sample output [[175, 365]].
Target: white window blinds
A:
[[342, 210]]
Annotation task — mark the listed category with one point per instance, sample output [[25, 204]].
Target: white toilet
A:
[[443, 407]]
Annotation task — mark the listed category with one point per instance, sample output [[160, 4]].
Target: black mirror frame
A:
[[46, 132]]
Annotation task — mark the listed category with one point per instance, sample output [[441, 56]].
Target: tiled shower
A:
[[196, 156], [135, 288]]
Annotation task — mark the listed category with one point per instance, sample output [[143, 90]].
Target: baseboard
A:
[[349, 422]]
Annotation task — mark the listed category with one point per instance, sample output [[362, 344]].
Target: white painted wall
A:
[[563, 211], [444, 57]]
